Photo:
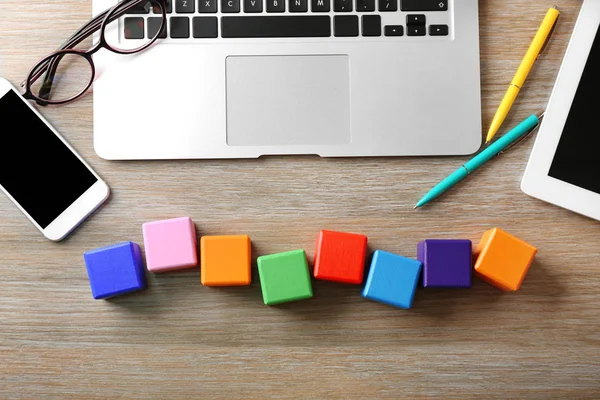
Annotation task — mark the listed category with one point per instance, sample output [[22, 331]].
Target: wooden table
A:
[[180, 340]]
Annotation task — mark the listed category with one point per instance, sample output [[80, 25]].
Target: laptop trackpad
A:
[[288, 100]]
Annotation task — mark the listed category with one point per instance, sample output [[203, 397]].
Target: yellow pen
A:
[[536, 47]]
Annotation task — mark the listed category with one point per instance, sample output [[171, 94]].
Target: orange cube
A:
[[225, 260], [503, 259]]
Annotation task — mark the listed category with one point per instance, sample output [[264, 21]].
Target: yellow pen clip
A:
[[549, 34]]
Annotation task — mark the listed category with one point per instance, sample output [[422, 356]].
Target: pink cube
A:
[[170, 244]]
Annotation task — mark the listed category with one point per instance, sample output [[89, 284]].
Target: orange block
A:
[[225, 260], [503, 259]]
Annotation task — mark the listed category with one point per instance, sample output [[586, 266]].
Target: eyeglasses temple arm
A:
[[92, 26]]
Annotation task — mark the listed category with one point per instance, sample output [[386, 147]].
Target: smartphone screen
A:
[[36, 167]]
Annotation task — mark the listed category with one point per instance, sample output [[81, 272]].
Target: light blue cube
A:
[[392, 279], [115, 270]]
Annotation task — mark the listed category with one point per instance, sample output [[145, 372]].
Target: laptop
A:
[[335, 78]]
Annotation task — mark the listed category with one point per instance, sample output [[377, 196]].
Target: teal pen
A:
[[502, 143]]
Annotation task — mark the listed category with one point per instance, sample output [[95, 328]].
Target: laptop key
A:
[[416, 30], [204, 27], [365, 5], [207, 6], [253, 6], [230, 6], [424, 5], [275, 6], [345, 25], [179, 27], [415, 19], [371, 25], [168, 9], [342, 5], [394, 30], [438, 30], [141, 8], [298, 5], [388, 5], [154, 25], [320, 5], [252, 26], [134, 28], [184, 6]]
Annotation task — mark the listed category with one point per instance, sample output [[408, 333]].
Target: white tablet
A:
[[564, 165]]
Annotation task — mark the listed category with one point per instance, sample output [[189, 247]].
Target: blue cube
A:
[[115, 270], [392, 279]]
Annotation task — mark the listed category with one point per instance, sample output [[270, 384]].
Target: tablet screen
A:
[[577, 157]]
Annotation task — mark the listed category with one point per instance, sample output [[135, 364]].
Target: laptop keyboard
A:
[[210, 19]]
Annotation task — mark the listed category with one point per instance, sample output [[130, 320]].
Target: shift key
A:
[[424, 5]]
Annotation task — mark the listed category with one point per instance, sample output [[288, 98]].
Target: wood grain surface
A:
[[180, 340]]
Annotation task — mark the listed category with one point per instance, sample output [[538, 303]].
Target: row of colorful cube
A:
[[500, 259]]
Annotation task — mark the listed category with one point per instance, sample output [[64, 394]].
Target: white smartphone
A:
[[40, 171]]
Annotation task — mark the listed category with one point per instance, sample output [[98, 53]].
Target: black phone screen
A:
[[577, 157], [36, 168]]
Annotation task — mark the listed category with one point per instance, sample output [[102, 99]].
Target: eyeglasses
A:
[[66, 74]]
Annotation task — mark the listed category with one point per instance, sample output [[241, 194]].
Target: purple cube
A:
[[447, 263]]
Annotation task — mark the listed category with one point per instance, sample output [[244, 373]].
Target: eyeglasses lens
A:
[[135, 29], [72, 75]]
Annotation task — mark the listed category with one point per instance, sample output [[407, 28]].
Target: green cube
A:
[[284, 277]]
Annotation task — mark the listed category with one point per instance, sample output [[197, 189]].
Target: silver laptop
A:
[[336, 78]]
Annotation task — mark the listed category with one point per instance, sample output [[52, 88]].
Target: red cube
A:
[[340, 257]]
